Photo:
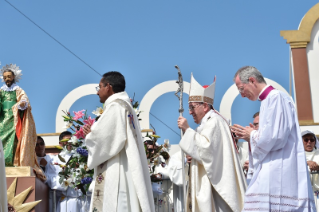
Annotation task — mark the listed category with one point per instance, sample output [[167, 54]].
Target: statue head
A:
[[8, 77], [10, 74]]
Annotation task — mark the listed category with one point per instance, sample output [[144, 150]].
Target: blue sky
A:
[[144, 40]]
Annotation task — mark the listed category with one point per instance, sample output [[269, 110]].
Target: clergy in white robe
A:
[[44, 160], [172, 173], [243, 157], [3, 183], [116, 152], [280, 179], [217, 181], [311, 145]]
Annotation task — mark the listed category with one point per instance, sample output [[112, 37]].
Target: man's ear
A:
[[110, 87], [252, 80], [207, 107]]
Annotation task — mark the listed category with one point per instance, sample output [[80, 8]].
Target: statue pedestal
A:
[[26, 178]]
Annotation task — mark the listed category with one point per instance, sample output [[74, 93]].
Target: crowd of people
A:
[[278, 171]]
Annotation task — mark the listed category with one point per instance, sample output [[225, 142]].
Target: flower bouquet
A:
[[74, 172], [157, 155]]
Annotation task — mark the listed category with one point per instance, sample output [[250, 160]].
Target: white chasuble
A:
[[116, 152], [217, 182], [314, 178], [280, 179]]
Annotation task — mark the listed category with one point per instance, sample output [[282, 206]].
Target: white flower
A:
[[77, 155], [98, 111], [66, 183], [67, 125], [137, 111], [73, 140], [78, 172], [82, 166], [167, 145], [64, 152]]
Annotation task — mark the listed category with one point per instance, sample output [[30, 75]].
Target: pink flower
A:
[[79, 133], [78, 115], [89, 121]]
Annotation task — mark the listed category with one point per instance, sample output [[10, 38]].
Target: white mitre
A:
[[198, 93]]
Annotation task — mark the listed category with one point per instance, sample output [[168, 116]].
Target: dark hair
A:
[[149, 142], [256, 114], [115, 79], [65, 133], [39, 137]]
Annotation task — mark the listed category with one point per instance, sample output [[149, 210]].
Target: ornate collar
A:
[[12, 88]]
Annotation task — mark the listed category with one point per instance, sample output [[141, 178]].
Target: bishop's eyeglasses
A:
[[192, 107]]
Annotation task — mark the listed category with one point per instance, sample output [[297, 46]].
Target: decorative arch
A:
[[149, 98], [69, 100], [155, 93], [231, 94], [301, 37]]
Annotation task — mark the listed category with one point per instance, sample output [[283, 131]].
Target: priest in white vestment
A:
[[217, 181], [3, 182], [311, 145], [280, 179], [116, 152]]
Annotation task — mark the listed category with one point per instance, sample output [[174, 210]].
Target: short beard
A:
[[10, 83]]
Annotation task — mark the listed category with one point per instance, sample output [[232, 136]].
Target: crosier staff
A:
[[181, 110]]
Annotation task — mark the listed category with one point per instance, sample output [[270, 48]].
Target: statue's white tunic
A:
[[280, 179], [116, 143], [217, 182]]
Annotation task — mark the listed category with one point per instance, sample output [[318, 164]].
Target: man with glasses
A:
[[217, 182], [116, 152], [256, 121], [280, 180], [310, 143]]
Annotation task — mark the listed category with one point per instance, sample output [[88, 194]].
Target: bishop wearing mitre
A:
[[217, 182]]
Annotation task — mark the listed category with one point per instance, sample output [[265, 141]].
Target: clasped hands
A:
[[313, 166], [242, 132]]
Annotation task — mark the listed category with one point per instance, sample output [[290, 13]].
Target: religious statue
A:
[[17, 127]]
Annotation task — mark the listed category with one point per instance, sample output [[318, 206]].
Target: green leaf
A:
[[65, 140], [82, 170], [61, 179], [79, 122], [61, 158]]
